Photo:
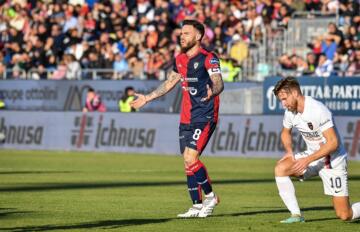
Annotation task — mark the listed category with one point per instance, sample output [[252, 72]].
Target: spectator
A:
[[93, 102], [336, 35], [229, 71], [285, 62], [60, 72], [124, 102], [325, 67], [300, 64], [120, 66], [2, 104], [73, 68], [283, 16], [311, 63], [329, 46], [313, 5], [39, 73], [239, 51], [354, 67]]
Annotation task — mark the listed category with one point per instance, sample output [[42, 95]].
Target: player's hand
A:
[[139, 102], [299, 166], [209, 94]]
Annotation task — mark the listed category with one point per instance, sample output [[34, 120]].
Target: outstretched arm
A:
[[217, 87], [172, 79]]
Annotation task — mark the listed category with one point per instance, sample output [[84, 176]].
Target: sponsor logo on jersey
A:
[[196, 64], [310, 125], [312, 136], [191, 79], [214, 61], [190, 89]]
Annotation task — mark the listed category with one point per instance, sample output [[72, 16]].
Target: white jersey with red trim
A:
[[311, 124]]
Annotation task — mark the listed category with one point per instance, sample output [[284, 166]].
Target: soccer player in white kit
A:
[[325, 155]]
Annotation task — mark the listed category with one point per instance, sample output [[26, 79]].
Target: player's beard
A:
[[293, 107], [188, 46]]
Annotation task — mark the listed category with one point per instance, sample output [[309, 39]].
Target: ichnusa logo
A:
[[83, 129], [96, 132]]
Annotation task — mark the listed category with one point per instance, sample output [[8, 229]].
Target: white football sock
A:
[[356, 210], [287, 194]]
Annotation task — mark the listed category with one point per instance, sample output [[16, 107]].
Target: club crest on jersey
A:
[[196, 64], [310, 125]]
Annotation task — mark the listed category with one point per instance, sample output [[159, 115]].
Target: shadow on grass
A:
[[96, 185], [107, 224], [113, 224], [321, 219], [100, 185], [272, 211], [6, 212], [33, 172]]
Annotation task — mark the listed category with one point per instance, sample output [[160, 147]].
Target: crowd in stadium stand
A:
[[335, 53], [59, 39]]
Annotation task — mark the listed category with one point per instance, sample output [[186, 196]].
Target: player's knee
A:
[[188, 161], [279, 170]]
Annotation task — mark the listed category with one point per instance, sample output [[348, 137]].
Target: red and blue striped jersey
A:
[[195, 76]]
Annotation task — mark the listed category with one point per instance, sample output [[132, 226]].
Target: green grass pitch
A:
[[73, 191]]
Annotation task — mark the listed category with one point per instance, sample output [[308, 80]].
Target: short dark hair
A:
[[287, 84], [128, 88], [198, 26]]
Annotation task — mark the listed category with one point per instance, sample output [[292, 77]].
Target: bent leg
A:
[[343, 209], [285, 185]]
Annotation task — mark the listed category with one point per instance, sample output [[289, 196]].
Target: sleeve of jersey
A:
[[326, 120], [212, 64], [287, 122]]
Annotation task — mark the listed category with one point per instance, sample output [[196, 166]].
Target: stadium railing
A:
[[83, 74]]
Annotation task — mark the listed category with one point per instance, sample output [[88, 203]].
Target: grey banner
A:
[[51, 95], [64, 95]]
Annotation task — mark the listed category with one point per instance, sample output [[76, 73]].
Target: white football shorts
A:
[[335, 181]]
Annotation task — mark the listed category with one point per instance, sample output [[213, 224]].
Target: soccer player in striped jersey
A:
[[199, 73]]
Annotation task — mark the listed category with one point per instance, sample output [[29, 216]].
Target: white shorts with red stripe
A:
[[334, 177]]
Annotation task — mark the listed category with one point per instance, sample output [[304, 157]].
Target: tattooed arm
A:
[[217, 87], [218, 84], [165, 87]]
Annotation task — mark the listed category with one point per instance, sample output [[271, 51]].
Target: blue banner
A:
[[340, 94]]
